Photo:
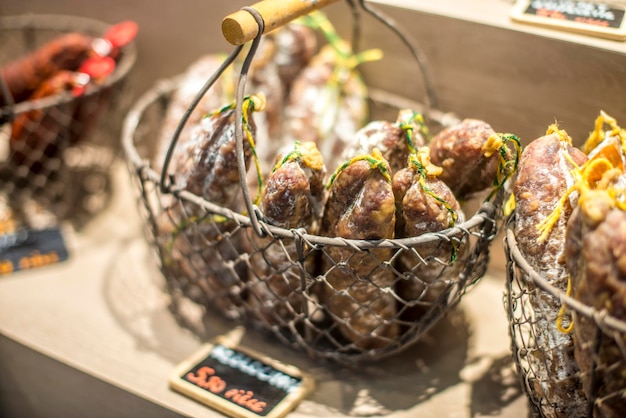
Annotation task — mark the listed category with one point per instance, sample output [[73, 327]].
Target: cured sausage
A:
[[25, 75], [474, 157], [202, 247], [358, 288], [395, 140], [541, 214], [39, 136], [282, 55], [293, 198], [595, 254], [327, 103], [596, 238], [195, 76], [63, 53], [425, 204]]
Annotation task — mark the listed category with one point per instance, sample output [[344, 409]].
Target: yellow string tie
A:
[[424, 168], [406, 122], [561, 314], [595, 174], [375, 160], [252, 103], [307, 153], [562, 133], [499, 143], [599, 134], [509, 205]]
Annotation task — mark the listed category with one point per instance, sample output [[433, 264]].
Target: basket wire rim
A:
[[601, 317], [142, 167]]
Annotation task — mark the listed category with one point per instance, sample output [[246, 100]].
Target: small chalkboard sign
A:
[[23, 249], [593, 18], [240, 382]]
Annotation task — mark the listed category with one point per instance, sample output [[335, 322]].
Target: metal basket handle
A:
[[165, 186], [253, 211], [238, 29]]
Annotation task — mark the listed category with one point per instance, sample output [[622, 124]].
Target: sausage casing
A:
[[358, 292], [293, 198], [194, 77], [473, 157], [202, 246], [425, 204], [595, 255], [395, 140], [595, 242], [544, 176]]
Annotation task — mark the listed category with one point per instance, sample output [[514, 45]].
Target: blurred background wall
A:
[[171, 33], [513, 78]]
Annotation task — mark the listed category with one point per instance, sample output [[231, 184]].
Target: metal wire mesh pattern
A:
[[56, 152], [600, 356], [211, 255], [318, 294]]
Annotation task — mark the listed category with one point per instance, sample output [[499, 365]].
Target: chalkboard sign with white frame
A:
[[604, 20], [240, 382]]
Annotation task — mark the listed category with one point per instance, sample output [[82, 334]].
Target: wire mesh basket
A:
[[56, 150], [594, 383], [236, 264]]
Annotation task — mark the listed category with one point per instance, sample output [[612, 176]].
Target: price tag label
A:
[[23, 249], [240, 382], [593, 18]]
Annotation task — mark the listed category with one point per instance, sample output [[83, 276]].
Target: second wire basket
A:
[[57, 142]]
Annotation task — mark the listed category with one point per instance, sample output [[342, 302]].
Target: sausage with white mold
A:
[[595, 256], [543, 178]]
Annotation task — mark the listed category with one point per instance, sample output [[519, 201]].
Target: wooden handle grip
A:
[[240, 27]]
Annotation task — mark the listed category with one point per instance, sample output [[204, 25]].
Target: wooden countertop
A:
[[99, 324]]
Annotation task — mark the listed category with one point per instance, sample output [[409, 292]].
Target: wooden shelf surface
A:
[[103, 315]]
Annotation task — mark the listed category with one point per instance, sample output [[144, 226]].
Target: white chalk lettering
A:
[[254, 368], [575, 8]]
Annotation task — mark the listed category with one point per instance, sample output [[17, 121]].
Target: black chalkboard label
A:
[[588, 17], [23, 249], [240, 382]]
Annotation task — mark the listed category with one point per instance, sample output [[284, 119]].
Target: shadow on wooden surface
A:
[[133, 290]]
